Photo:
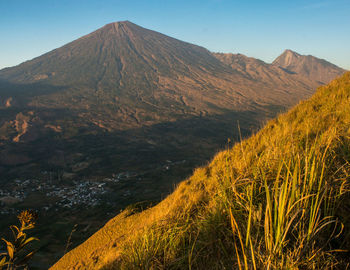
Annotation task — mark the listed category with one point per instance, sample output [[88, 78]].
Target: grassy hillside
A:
[[278, 200]]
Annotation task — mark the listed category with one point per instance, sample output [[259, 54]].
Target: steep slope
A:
[[116, 50], [308, 66], [266, 200]]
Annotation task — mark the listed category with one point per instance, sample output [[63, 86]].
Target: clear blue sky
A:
[[257, 28]]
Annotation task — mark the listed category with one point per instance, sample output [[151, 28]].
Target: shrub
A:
[[17, 255]]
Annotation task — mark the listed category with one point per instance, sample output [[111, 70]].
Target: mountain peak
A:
[[307, 65], [290, 52], [117, 27], [287, 58], [119, 23], [122, 23]]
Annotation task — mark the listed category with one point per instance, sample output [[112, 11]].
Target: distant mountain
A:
[[123, 77], [308, 66], [143, 77], [262, 72]]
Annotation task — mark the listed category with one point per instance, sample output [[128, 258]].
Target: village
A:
[[79, 192], [55, 196]]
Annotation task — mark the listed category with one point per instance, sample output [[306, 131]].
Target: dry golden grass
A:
[[278, 200]]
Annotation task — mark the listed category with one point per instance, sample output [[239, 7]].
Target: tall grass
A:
[[286, 217], [274, 219]]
